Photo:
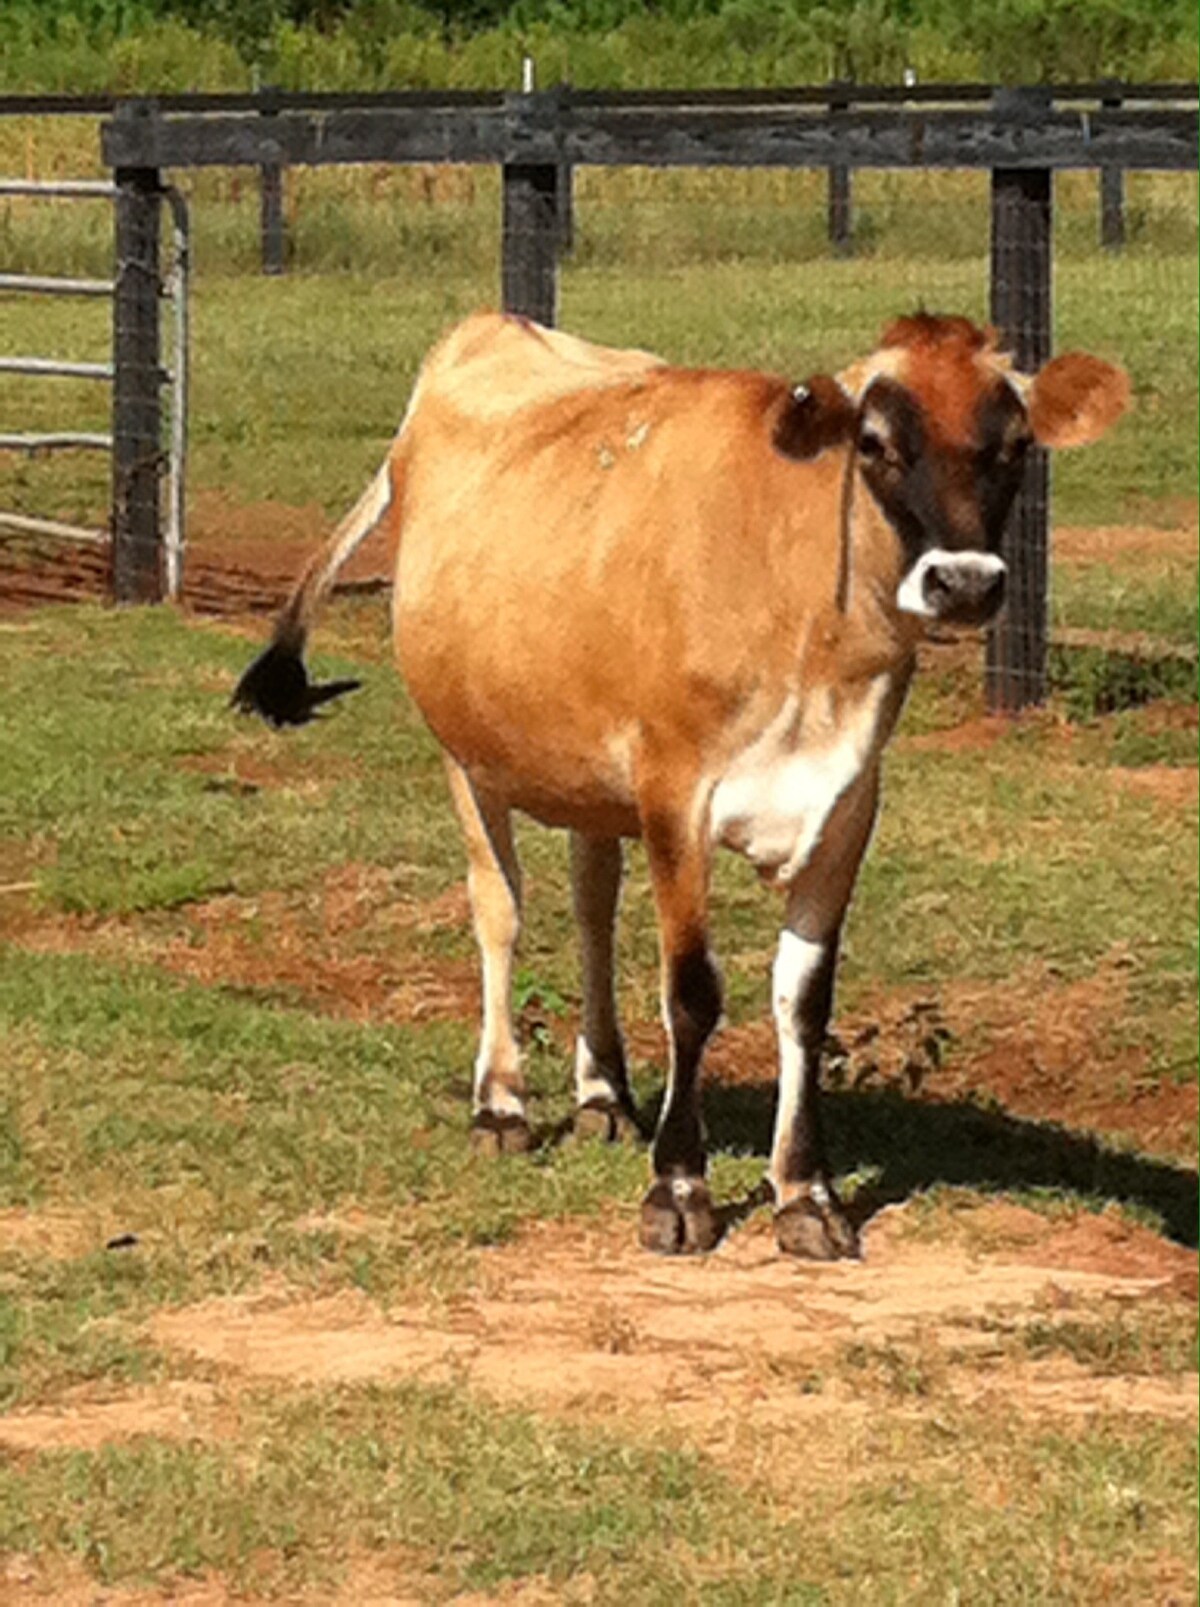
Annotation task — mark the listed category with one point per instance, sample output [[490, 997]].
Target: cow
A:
[[636, 600]]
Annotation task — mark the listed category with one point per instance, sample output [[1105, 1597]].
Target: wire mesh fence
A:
[[1123, 574], [736, 267]]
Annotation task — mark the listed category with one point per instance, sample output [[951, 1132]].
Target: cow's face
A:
[[947, 498], [941, 431]]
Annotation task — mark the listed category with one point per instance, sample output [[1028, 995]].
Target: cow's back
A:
[[493, 365]]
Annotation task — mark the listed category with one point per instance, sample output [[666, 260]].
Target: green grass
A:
[[479, 1497], [485, 1496], [225, 1125], [126, 822], [133, 826], [482, 1496], [1154, 598]]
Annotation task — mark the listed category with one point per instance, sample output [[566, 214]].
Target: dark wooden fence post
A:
[[565, 206], [137, 377], [1112, 191], [531, 222], [272, 228], [841, 226], [1021, 309]]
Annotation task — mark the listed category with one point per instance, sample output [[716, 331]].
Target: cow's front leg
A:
[[494, 883], [604, 1105], [809, 1219], [677, 1212]]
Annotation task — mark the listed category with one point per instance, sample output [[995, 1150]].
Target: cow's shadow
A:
[[907, 1145]]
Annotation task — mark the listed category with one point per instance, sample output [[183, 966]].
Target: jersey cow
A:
[[636, 600]]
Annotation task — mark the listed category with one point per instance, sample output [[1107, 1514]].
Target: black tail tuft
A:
[[277, 687]]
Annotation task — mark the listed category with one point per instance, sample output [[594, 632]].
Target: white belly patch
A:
[[774, 799]]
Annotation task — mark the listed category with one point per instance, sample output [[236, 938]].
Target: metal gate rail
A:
[[173, 287]]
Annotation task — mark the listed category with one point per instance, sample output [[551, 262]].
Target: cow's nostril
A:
[[936, 585]]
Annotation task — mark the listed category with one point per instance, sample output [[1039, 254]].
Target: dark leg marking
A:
[[677, 1212], [500, 1135]]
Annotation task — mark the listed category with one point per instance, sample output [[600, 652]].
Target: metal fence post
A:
[[841, 227], [1021, 309], [137, 377], [531, 226], [1112, 192]]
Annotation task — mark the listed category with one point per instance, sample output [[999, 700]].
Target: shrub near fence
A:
[[171, 45]]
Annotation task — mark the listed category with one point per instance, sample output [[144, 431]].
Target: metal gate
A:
[[173, 287]]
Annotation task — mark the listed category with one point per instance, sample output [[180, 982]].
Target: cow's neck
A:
[[860, 632]]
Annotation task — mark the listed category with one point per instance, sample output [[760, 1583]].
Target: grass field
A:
[[237, 999], [268, 1330]]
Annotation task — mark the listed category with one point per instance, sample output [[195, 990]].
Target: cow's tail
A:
[[276, 685]]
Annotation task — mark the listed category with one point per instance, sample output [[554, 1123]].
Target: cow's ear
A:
[[1075, 399], [816, 416]]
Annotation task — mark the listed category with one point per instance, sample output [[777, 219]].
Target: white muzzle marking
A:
[[911, 597]]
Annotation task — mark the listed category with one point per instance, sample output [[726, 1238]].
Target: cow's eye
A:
[[1016, 448], [1011, 449], [873, 446]]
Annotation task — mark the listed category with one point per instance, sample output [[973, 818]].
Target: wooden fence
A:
[[1021, 136]]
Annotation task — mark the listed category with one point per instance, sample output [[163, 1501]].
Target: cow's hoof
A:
[[607, 1120], [500, 1135], [815, 1230], [678, 1218]]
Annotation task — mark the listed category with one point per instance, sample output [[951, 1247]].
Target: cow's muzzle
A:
[[954, 588]]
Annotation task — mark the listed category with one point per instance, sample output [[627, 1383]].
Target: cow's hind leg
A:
[[809, 1219], [604, 1104], [494, 883], [677, 1212]]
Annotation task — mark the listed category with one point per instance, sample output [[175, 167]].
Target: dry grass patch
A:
[[88, 1418], [391, 1578], [55, 1232], [1099, 544], [577, 1320]]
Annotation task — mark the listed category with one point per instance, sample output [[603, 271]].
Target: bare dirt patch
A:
[[1055, 1050], [236, 547], [972, 736], [579, 1320], [84, 1422], [27, 1581], [1058, 737], [58, 1233], [385, 1579], [1109, 543], [241, 558], [246, 771], [1173, 786], [341, 950]]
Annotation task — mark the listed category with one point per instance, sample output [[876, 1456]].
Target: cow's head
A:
[[940, 422]]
